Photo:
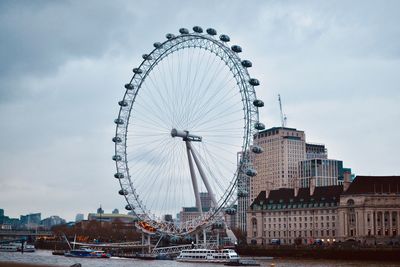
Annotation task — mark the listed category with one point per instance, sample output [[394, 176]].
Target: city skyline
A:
[[334, 64]]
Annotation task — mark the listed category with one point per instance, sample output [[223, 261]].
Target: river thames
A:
[[44, 257]]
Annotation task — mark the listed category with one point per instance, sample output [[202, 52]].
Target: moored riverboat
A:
[[208, 255], [8, 248], [87, 253], [242, 262]]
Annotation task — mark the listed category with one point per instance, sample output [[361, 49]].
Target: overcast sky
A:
[[63, 65]]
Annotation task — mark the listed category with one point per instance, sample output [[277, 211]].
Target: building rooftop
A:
[[374, 185], [286, 196], [278, 128]]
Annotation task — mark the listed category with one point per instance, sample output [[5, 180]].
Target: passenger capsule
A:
[[137, 71], [128, 207], [258, 103], [251, 172], [198, 29], [123, 192], [236, 48], [119, 175], [247, 63], [169, 36], [117, 158], [211, 31], [117, 139], [224, 38], [257, 149], [157, 44], [119, 121], [254, 82], [175, 239], [123, 103], [188, 238], [259, 126], [243, 193], [129, 86], [230, 211], [183, 31], [147, 57], [218, 225]]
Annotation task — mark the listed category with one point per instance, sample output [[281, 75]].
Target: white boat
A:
[[28, 248], [208, 255], [18, 247], [8, 248]]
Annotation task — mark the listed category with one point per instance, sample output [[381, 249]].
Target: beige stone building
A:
[[369, 210], [277, 165], [289, 215], [366, 210]]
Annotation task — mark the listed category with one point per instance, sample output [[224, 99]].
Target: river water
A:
[[45, 257]]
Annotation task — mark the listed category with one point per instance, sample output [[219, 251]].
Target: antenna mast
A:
[[283, 116]]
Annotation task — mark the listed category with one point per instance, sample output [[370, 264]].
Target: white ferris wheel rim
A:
[[245, 85]]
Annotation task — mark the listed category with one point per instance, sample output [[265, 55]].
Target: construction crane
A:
[[283, 116]]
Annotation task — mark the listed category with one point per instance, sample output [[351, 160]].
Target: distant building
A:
[[316, 151], [190, 213], [52, 221], [107, 217], [31, 220], [100, 210], [79, 217], [205, 200], [243, 201], [168, 218], [243, 195], [277, 165], [323, 172]]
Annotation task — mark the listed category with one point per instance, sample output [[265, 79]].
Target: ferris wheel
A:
[[184, 132]]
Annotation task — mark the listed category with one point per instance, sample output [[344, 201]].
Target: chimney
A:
[[346, 180], [296, 188], [267, 193], [312, 186]]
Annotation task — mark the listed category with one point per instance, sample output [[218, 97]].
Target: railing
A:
[[136, 244], [177, 249], [25, 233]]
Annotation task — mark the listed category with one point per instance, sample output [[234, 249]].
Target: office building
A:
[[316, 151], [277, 165], [324, 172], [52, 221], [79, 217]]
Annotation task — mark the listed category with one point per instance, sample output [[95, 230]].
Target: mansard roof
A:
[[285, 196], [374, 185]]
